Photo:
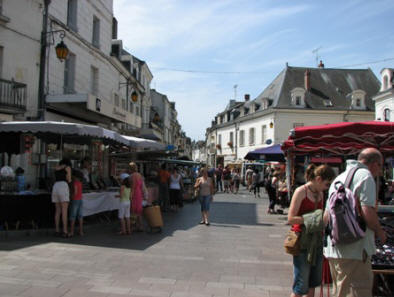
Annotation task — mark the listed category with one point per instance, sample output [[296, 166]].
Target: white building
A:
[[298, 96], [91, 85], [20, 27], [384, 100]]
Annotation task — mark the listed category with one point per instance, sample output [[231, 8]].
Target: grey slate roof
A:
[[334, 84]]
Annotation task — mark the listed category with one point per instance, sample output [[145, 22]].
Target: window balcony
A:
[[12, 97]]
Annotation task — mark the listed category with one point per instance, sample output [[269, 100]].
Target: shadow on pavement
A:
[[224, 214]]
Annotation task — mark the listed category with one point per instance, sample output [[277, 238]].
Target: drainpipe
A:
[[41, 80], [236, 140]]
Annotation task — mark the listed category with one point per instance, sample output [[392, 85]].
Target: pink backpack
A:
[[346, 225]]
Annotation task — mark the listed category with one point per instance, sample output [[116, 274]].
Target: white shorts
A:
[[60, 192], [124, 209]]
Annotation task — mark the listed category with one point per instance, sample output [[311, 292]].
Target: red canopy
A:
[[341, 138]]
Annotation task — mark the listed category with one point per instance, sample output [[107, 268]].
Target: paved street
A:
[[240, 254]]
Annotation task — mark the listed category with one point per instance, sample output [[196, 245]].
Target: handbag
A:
[[292, 243]]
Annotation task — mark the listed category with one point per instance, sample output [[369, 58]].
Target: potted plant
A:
[[230, 144], [218, 146]]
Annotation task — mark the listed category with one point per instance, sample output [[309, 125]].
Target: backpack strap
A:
[[349, 177], [348, 181]]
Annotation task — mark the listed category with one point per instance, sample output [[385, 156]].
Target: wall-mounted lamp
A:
[[61, 51], [134, 96], [271, 125]]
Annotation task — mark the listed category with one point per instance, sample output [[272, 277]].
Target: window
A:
[[96, 32], [94, 80], [72, 14], [297, 97], [220, 139], [232, 137], [1, 61], [358, 99], [251, 136], [137, 110], [241, 137], [295, 125], [69, 74], [116, 99], [263, 133], [386, 114]]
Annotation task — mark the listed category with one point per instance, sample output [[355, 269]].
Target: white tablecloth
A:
[[97, 202]]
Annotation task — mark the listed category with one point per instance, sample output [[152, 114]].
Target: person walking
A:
[[350, 264], [236, 180], [61, 195], [226, 179], [137, 186], [176, 188], [256, 183], [164, 179], [76, 204], [307, 265], [206, 189], [248, 178], [270, 188], [219, 182]]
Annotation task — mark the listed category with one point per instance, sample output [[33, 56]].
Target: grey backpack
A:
[[346, 224]]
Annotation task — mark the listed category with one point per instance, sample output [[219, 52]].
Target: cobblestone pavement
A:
[[239, 254]]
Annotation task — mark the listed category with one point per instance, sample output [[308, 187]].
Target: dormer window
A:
[[385, 82], [327, 103], [358, 99], [264, 104], [298, 97], [246, 111]]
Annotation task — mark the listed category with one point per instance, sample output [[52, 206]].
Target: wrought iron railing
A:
[[12, 94]]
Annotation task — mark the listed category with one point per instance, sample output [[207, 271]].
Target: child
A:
[[124, 207], [76, 202]]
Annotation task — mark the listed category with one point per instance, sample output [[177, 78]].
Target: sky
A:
[[202, 53]]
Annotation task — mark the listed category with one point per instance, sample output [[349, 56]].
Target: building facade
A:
[[298, 96], [384, 100]]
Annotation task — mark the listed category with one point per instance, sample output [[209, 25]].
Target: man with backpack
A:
[[350, 262]]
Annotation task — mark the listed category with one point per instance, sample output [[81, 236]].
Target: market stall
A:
[[346, 140], [337, 142], [36, 148]]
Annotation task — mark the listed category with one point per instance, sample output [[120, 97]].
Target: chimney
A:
[[321, 65], [247, 97], [307, 79]]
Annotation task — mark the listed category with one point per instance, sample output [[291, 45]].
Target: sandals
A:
[[66, 235]]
